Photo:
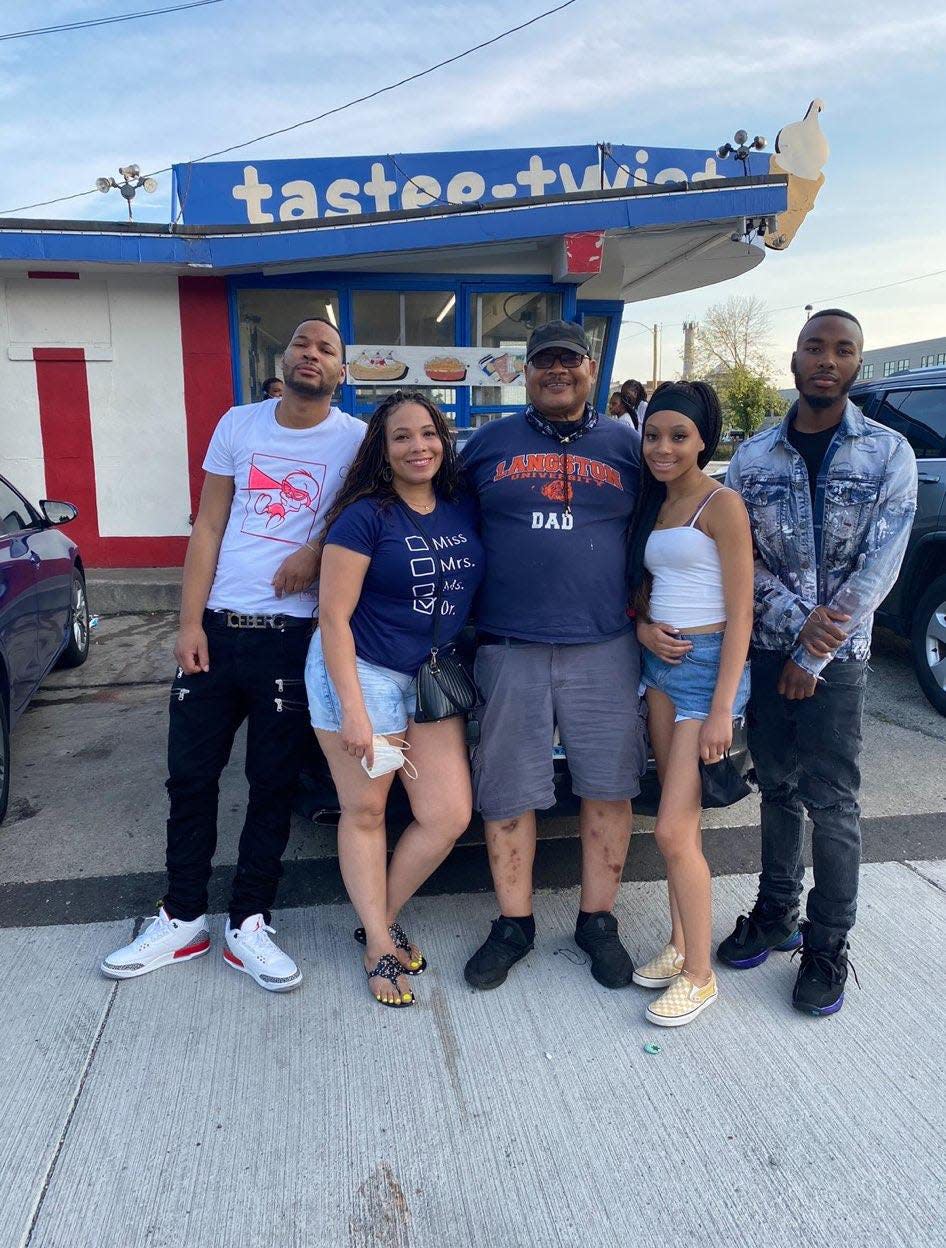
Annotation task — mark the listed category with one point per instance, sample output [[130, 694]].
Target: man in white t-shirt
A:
[[248, 601]]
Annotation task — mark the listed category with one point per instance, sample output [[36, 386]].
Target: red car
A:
[[44, 611]]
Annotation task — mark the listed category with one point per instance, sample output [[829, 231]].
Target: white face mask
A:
[[389, 757]]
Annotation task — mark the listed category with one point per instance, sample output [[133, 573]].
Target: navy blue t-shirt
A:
[[393, 623], [550, 576]]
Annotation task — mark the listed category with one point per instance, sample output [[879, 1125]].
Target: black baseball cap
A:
[[565, 335]]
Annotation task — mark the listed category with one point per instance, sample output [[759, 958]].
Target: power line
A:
[[868, 290], [361, 99], [103, 21]]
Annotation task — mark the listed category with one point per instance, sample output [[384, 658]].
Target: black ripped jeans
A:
[[255, 675], [806, 756]]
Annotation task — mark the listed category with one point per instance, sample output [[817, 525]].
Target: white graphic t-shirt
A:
[[284, 482]]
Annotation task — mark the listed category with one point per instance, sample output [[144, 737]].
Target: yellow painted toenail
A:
[[407, 997]]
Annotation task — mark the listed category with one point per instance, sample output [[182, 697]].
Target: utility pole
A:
[[653, 384]]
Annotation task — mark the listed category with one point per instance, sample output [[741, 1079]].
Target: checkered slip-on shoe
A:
[[660, 972], [681, 1003]]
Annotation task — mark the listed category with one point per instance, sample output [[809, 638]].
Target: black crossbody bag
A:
[[445, 684]]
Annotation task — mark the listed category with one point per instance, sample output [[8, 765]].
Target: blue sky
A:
[[163, 89]]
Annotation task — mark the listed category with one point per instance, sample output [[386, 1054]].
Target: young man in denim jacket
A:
[[831, 497]]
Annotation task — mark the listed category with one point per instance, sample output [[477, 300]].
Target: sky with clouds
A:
[[79, 104]]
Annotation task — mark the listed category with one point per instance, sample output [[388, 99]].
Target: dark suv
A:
[[914, 403]]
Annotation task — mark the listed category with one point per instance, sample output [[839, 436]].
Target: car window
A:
[[14, 513], [920, 415]]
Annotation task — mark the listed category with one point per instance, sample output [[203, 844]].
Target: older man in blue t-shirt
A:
[[556, 488]]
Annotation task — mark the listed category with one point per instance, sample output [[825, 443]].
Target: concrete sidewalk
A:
[[188, 1109]]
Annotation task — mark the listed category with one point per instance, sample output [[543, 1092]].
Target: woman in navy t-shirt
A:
[[400, 514]]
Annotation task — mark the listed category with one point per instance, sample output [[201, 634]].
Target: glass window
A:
[[503, 322], [941, 358], [926, 361], [14, 513], [920, 415], [889, 367], [902, 364], [867, 371], [408, 318], [267, 319]]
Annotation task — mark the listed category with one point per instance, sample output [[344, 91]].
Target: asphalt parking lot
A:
[[84, 837]]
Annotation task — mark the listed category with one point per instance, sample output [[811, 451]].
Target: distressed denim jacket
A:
[[845, 554]]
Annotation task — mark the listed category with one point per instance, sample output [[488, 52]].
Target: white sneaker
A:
[[250, 949], [163, 942]]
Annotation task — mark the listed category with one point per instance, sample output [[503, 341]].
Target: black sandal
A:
[[389, 967], [400, 942]]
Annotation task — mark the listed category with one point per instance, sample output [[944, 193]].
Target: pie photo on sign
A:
[[445, 368], [377, 366]]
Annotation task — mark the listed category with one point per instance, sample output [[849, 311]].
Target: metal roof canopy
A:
[[659, 240]]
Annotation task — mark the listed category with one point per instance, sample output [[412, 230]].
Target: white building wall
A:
[[139, 435], [21, 443]]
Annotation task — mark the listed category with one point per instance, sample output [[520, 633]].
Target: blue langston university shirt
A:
[[393, 623], [554, 521]]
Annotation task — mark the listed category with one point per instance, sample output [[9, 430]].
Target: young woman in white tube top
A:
[[691, 569]]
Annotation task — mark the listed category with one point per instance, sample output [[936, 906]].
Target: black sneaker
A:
[[819, 988], [611, 964], [766, 927], [505, 945]]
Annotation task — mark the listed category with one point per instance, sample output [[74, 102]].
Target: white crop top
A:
[[688, 578]]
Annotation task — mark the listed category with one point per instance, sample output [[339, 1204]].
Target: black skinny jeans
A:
[[255, 675], [806, 755]]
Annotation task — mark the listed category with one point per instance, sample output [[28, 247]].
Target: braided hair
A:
[[366, 477], [653, 493]]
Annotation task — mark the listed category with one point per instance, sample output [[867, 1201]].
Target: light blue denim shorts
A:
[[390, 697], [690, 685]]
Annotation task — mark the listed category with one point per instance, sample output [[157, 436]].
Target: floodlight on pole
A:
[[131, 182], [742, 148]]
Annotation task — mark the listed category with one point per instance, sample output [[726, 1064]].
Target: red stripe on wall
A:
[[66, 427], [208, 377]]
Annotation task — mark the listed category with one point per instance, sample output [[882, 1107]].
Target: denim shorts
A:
[[690, 685], [390, 697]]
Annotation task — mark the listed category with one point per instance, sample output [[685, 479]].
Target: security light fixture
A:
[[742, 149], [131, 181]]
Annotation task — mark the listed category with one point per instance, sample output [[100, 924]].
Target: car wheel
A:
[[929, 643], [77, 647], [4, 760]]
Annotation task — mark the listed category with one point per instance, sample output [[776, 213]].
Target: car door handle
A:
[[34, 557], [926, 478]]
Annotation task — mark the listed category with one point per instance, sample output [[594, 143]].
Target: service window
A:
[[267, 319], [502, 322], [405, 318], [920, 415]]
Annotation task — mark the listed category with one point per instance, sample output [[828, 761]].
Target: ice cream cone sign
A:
[[801, 151]]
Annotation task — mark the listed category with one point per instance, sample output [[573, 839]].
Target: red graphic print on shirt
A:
[[282, 498]]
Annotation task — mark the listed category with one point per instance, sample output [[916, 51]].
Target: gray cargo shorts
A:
[[589, 691]]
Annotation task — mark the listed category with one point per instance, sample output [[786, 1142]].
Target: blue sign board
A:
[[257, 192]]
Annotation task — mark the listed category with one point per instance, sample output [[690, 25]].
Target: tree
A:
[[747, 399], [733, 335]]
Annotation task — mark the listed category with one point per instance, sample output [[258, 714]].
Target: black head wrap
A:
[[699, 402]]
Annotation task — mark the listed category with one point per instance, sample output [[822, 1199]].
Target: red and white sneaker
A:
[[249, 949], [162, 943]]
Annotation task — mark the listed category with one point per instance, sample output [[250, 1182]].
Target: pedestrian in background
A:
[[402, 512], [556, 486], [246, 618], [691, 571], [831, 497], [634, 400], [272, 388], [616, 407]]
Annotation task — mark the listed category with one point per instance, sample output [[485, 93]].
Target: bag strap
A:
[[438, 571]]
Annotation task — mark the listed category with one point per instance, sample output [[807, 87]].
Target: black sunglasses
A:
[[546, 359]]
